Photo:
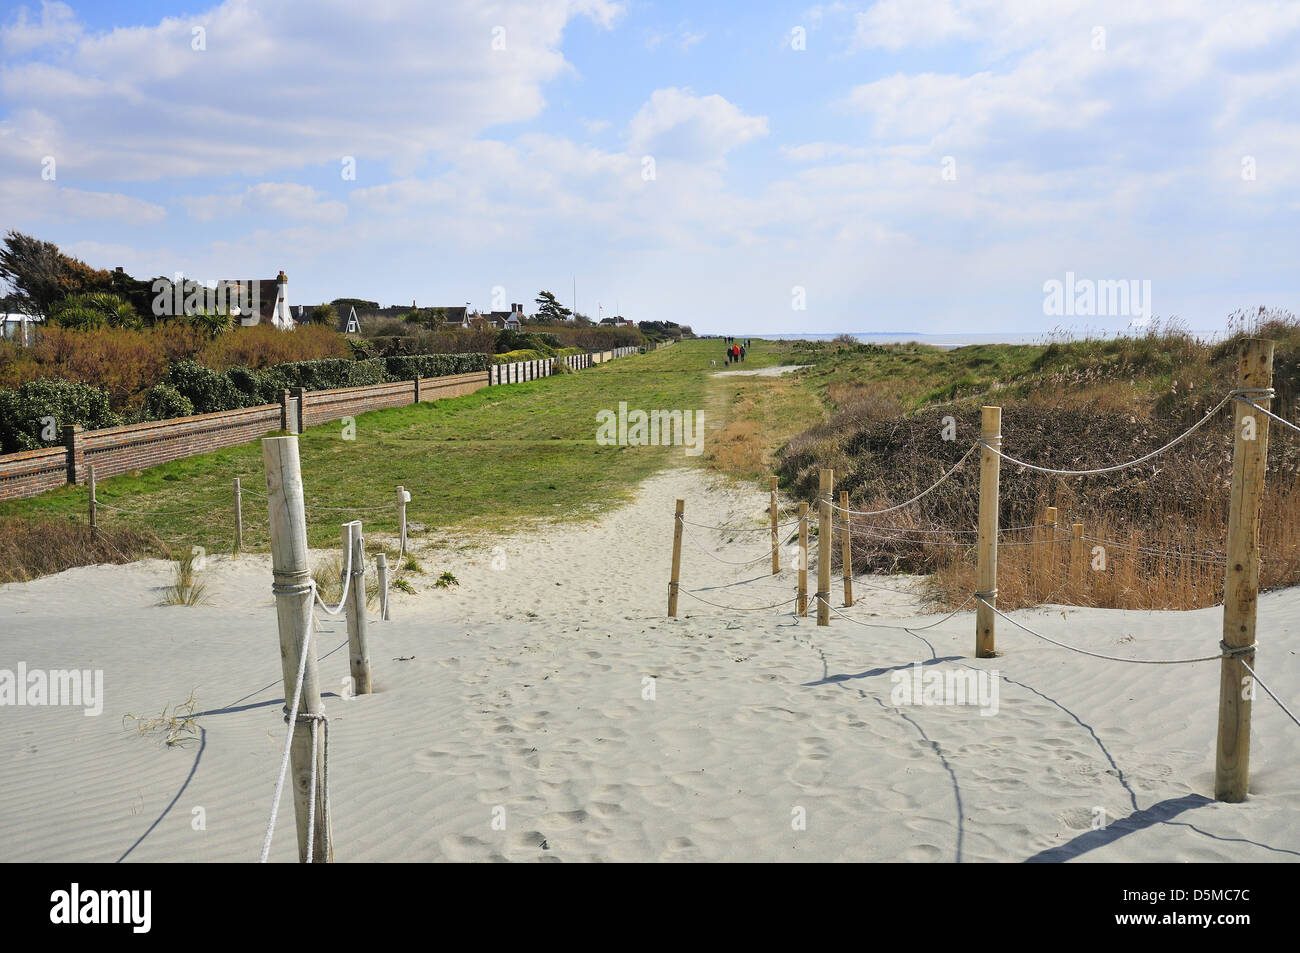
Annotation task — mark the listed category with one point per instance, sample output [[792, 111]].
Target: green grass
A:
[[488, 461]]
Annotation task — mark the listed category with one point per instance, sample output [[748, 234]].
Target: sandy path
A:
[[527, 692], [775, 371]]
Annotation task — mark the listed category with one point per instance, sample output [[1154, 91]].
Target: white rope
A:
[[1111, 658], [347, 582], [1119, 466], [740, 529], [730, 562], [1264, 410], [288, 737], [1270, 691], [926, 492], [775, 605], [885, 625]]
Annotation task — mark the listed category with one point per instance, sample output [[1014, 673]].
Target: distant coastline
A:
[[945, 340]]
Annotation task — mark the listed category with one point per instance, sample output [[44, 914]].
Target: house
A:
[[508, 320], [17, 327], [260, 301], [617, 321]]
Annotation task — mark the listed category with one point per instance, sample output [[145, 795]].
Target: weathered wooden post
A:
[[676, 575], [94, 503], [846, 548], [825, 545], [1241, 575], [381, 573], [355, 605], [402, 499], [776, 539], [239, 517], [987, 541], [803, 559], [292, 586]]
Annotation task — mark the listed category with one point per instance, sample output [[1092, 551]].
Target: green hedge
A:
[[46, 406], [191, 388], [409, 367], [514, 357]]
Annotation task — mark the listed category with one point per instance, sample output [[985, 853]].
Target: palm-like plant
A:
[[96, 309]]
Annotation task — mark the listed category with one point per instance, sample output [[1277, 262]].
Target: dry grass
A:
[[1168, 566], [328, 574], [176, 724], [33, 548], [185, 589]]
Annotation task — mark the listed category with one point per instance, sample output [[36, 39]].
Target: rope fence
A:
[[1240, 557]]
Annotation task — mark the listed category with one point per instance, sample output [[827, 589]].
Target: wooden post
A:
[[987, 540], [776, 539], [846, 548], [803, 559], [825, 545], [1076, 553], [676, 575], [239, 517], [94, 516], [402, 498], [1241, 575], [358, 649], [381, 572], [293, 606]]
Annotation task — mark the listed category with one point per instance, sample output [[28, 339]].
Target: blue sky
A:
[[914, 165]]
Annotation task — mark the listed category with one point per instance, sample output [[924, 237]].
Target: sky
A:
[[923, 166]]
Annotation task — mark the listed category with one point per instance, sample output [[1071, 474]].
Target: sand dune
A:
[[525, 689]]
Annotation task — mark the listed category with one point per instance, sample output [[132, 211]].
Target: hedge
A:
[[46, 406], [191, 388]]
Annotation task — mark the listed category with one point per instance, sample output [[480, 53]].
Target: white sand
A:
[[526, 692], [774, 371]]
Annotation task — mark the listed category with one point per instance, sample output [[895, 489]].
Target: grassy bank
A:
[[490, 461]]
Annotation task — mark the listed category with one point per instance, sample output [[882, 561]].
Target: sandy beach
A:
[[549, 683]]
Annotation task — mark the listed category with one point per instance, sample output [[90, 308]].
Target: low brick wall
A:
[[456, 385], [137, 446], [322, 406], [32, 471]]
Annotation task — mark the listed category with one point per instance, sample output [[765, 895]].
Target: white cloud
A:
[[288, 84], [679, 124], [30, 199], [275, 201], [58, 25]]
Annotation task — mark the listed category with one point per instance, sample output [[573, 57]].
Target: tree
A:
[[41, 276], [325, 314], [32, 268], [549, 309]]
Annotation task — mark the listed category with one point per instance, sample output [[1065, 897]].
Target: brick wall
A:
[[32, 471], [137, 446]]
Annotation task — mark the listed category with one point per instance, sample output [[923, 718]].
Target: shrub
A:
[[207, 390], [162, 402], [407, 367], [24, 413]]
